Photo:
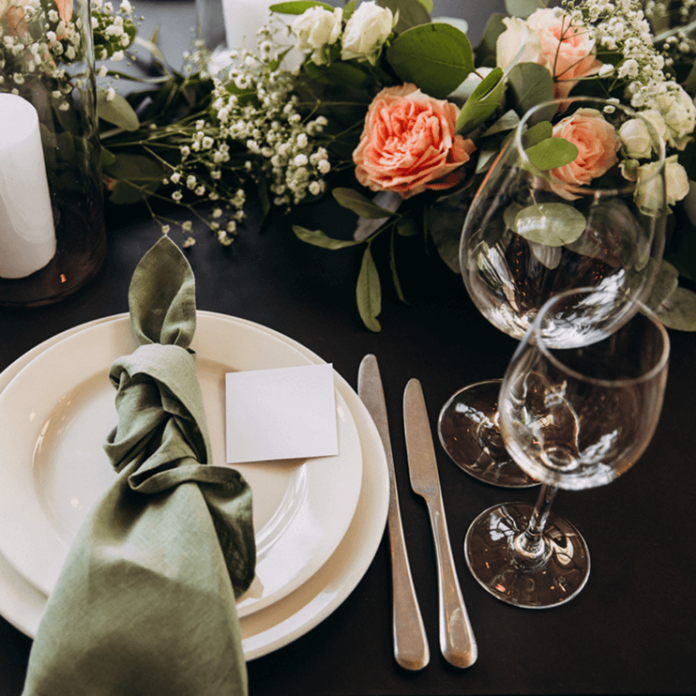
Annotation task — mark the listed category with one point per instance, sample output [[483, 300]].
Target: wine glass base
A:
[[469, 434], [555, 579]]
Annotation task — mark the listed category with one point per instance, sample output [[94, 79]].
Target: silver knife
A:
[[410, 643], [457, 640]]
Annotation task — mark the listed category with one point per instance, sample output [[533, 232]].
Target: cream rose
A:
[[569, 52], [649, 194], [516, 36], [409, 144], [676, 180], [597, 143], [317, 29], [635, 137], [366, 31], [679, 113]]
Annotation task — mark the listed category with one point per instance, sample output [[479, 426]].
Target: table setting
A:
[[237, 449]]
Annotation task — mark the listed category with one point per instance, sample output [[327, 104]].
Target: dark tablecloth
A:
[[631, 630]]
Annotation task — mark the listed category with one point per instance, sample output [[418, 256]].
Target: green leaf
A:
[[530, 84], [318, 238], [340, 74], [355, 201], [486, 50], [446, 231], [298, 7], [348, 9], [435, 57], [508, 121], [523, 8], [666, 283], [552, 153], [482, 104], [107, 157], [428, 4], [368, 292], [117, 111], [678, 311], [552, 224], [538, 132], [136, 177], [412, 13]]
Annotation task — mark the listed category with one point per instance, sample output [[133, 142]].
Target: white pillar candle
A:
[[27, 232]]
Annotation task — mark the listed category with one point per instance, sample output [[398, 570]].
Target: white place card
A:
[[281, 413]]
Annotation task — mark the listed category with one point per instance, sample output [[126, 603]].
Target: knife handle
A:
[[457, 641], [411, 649]]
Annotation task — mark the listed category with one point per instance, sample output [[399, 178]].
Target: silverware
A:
[[410, 643], [457, 640]]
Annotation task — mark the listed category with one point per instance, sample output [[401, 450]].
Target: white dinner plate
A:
[[55, 414], [281, 623]]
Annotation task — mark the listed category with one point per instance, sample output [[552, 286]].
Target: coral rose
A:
[[569, 51], [409, 144], [597, 142]]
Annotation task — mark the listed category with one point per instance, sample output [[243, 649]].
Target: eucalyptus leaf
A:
[[446, 232], [341, 74], [510, 213], [366, 227], [482, 104], [368, 292], [320, 239], [523, 8], [530, 84], [678, 311], [355, 201], [435, 57], [298, 7], [666, 283], [508, 121], [107, 157], [547, 256], [552, 153], [134, 177], [538, 132], [461, 24], [412, 13], [486, 50], [553, 224], [117, 111]]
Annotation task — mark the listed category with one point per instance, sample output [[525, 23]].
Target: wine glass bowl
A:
[[574, 417], [530, 235]]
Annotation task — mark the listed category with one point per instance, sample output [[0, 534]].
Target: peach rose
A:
[[65, 9], [409, 145], [569, 51], [597, 142]]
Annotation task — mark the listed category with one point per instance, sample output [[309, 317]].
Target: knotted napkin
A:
[[145, 603]]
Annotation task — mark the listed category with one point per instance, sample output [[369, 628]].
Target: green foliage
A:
[[320, 239], [412, 13], [298, 7], [355, 201], [482, 104], [135, 177], [435, 57], [523, 8], [551, 153], [117, 111], [530, 84], [551, 224], [368, 292]]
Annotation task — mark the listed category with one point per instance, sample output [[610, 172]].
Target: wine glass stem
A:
[[530, 547]]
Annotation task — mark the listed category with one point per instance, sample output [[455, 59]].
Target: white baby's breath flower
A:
[[117, 56]]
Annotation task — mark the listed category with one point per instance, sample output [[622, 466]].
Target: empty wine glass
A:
[[573, 417], [530, 234]]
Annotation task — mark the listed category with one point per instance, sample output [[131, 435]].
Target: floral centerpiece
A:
[[418, 115]]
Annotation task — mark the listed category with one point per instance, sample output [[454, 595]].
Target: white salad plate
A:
[[54, 417], [284, 621]]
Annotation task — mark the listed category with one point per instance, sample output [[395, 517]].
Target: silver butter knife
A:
[[410, 643], [457, 640]]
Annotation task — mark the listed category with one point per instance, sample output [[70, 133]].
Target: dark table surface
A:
[[631, 630]]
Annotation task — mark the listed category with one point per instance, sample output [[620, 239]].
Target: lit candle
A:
[[27, 232]]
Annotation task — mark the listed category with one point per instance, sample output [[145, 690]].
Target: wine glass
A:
[[573, 417], [529, 235]]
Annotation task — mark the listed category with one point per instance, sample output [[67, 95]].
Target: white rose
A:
[[317, 29], [518, 38], [679, 113], [636, 138], [367, 30], [676, 180], [650, 190]]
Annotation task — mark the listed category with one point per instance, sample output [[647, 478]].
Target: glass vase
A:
[[52, 234]]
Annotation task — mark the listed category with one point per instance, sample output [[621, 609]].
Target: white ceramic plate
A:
[[281, 623], [53, 419]]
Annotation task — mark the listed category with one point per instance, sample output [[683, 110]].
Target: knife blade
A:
[[411, 649], [457, 641]]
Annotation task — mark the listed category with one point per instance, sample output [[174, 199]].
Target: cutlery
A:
[[410, 643], [457, 640]]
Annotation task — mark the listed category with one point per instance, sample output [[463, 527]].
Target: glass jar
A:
[[52, 234]]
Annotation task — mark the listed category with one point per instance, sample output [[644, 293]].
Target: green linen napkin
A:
[[145, 603]]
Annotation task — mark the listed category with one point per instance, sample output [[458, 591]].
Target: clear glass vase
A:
[[52, 234]]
